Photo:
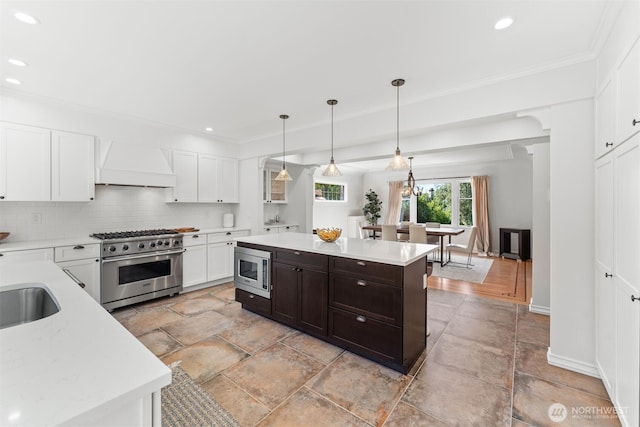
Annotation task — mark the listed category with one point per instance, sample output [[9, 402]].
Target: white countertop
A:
[[58, 369], [40, 244], [395, 253]]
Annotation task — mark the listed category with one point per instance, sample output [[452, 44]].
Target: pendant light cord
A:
[[398, 117], [283, 165], [332, 131]]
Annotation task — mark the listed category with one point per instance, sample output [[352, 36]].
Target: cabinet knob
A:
[[1, 197], [175, 200], [362, 263], [361, 283], [608, 144], [361, 319], [228, 233], [634, 298], [90, 198], [195, 236], [608, 275], [635, 122], [250, 296]]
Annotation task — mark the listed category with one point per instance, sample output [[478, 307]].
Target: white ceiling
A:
[[237, 65]]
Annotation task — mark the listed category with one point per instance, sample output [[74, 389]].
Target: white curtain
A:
[[480, 212], [395, 202]]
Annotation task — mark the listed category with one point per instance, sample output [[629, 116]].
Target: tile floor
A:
[[485, 366]]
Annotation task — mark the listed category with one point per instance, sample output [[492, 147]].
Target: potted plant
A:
[[371, 209]]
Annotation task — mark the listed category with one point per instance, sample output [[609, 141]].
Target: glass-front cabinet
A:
[[273, 191]]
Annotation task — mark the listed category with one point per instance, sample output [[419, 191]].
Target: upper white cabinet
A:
[[605, 118], [38, 164], [204, 178], [273, 191], [25, 162], [72, 167], [628, 94]]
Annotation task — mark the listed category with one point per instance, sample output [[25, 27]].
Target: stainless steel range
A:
[[139, 265]]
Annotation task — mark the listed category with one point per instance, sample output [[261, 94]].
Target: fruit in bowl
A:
[[329, 234]]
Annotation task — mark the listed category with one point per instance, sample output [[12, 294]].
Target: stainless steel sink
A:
[[28, 304]]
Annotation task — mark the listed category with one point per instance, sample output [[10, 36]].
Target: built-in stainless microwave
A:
[[252, 271]]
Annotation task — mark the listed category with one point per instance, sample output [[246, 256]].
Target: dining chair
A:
[[417, 234], [390, 232], [433, 240], [364, 234], [466, 249]]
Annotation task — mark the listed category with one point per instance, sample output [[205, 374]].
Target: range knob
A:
[[152, 244], [112, 248], [140, 245], [166, 243], [125, 247], [176, 243], [159, 242]]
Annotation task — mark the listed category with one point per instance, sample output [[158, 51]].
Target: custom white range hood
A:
[[135, 165]]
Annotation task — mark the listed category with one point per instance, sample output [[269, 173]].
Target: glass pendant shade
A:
[[398, 163], [283, 175], [332, 169]]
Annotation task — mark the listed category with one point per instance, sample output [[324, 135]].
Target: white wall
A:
[[333, 213], [572, 238], [541, 292], [510, 190]]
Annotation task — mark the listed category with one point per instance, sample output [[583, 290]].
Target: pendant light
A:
[[283, 175], [332, 169], [411, 181], [398, 163]]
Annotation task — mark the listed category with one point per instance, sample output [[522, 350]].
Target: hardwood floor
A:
[[507, 280]]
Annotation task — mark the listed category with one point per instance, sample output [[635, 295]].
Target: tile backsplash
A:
[[115, 208]]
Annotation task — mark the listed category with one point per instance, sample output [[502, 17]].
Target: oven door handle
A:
[[147, 255]]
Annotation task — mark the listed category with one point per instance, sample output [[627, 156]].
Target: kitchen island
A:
[[366, 296], [78, 366]]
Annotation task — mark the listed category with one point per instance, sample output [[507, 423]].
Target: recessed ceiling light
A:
[[17, 62], [209, 129], [503, 23], [13, 81], [27, 19]]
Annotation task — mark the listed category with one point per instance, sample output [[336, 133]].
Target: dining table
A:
[[441, 232]]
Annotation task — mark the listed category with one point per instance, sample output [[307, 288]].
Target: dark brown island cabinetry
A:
[[373, 309]]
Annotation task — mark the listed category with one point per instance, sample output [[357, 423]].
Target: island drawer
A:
[[367, 270], [253, 302], [371, 299], [365, 335], [226, 236], [302, 259]]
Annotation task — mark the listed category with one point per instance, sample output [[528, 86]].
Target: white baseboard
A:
[[540, 309], [572, 364]]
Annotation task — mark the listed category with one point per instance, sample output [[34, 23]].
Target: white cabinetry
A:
[[25, 162], [204, 178], [605, 117], [618, 277], [271, 229], [628, 94], [37, 164], [273, 191], [45, 254], [82, 264], [194, 260], [72, 167], [220, 254]]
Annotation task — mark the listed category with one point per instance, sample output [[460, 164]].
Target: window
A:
[[330, 192], [443, 201]]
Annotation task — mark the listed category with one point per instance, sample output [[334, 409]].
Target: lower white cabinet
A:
[[45, 254], [87, 272], [194, 265], [220, 260]]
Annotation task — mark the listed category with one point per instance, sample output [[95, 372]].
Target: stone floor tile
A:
[[533, 397], [405, 415], [238, 314], [319, 350], [531, 359], [533, 333], [361, 386], [273, 374], [244, 408], [190, 330], [525, 315], [159, 342], [121, 314], [445, 297], [198, 293], [193, 306], [308, 409], [146, 321], [483, 331], [518, 423], [207, 358], [458, 399], [441, 312], [495, 311], [436, 327], [226, 292], [257, 335], [489, 364]]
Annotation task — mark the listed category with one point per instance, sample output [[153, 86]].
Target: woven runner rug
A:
[[458, 271], [185, 403]]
